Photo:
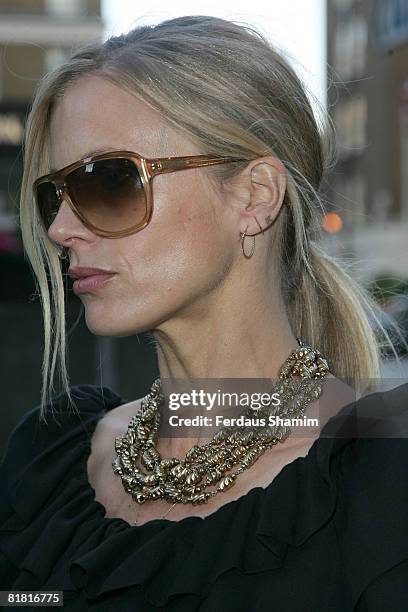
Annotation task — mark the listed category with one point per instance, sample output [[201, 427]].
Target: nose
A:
[[65, 226]]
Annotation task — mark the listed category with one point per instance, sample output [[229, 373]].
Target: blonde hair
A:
[[233, 94]]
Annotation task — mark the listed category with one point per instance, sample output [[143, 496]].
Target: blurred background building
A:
[[366, 190], [367, 54], [35, 36]]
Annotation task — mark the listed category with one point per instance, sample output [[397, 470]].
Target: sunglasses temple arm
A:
[[165, 164]]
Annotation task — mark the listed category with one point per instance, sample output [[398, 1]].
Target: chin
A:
[[120, 317], [113, 327]]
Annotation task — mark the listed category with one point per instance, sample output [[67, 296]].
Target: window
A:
[[350, 47], [350, 119], [65, 8], [403, 117]]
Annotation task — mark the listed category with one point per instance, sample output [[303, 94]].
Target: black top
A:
[[329, 533]]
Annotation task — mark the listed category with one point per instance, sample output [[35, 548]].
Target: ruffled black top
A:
[[329, 533]]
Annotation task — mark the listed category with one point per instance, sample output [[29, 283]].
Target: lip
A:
[[82, 271], [90, 283]]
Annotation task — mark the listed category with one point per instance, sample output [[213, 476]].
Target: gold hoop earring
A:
[[243, 236]]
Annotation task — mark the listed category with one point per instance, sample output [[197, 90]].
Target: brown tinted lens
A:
[[47, 202], [109, 193]]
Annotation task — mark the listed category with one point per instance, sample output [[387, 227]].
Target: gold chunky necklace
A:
[[185, 480]]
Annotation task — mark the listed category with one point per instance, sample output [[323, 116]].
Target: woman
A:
[[220, 263]]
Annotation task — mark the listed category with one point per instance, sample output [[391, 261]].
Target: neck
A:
[[249, 338]]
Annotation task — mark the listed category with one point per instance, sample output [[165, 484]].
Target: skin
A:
[[213, 313]]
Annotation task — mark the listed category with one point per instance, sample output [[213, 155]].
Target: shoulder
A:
[[372, 488], [40, 454], [374, 466], [81, 400], [379, 423], [63, 420]]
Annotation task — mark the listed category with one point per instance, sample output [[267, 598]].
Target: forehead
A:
[[96, 115]]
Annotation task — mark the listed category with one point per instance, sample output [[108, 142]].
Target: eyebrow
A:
[[90, 154]]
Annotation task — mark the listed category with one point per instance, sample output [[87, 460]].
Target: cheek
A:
[[182, 249], [165, 269]]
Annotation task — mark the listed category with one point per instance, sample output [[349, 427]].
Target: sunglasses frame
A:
[[147, 168]]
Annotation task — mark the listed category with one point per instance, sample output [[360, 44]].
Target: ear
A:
[[265, 180]]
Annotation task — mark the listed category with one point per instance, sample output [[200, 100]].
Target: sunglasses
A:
[[111, 193]]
